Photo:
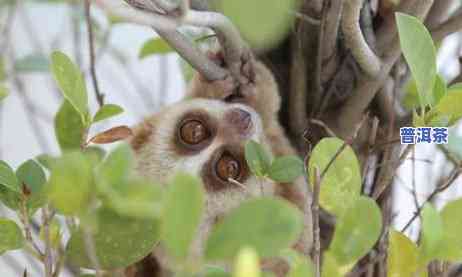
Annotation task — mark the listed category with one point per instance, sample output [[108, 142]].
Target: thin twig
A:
[[306, 18], [48, 262], [91, 46], [24, 217], [329, 131], [456, 172], [316, 230], [91, 251], [387, 179], [298, 85], [355, 40]]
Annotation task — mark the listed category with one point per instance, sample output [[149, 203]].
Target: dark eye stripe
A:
[[193, 132], [228, 167]]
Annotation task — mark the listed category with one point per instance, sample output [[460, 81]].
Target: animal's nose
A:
[[241, 119]]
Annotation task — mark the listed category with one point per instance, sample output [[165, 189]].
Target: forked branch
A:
[[166, 16]]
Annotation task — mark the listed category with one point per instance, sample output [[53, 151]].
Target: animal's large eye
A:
[[193, 132], [228, 167]]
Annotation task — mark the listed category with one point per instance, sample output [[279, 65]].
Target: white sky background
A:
[[155, 77]]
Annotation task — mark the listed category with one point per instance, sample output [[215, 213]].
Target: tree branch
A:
[[353, 109], [452, 25], [456, 172], [188, 51], [91, 46], [316, 230], [366, 58], [231, 42], [331, 22], [439, 13]]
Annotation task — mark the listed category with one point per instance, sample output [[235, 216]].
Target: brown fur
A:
[[157, 158]]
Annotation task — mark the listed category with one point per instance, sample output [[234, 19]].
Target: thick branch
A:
[[194, 56], [353, 109], [452, 25], [388, 31], [229, 37], [439, 13], [366, 58], [330, 35]]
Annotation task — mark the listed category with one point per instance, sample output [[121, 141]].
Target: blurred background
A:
[[31, 30]]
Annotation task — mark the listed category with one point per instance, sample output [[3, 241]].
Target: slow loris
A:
[[205, 135]]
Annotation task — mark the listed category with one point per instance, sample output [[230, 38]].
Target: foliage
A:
[[124, 216], [439, 105]]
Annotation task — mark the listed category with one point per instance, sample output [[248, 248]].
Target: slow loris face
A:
[[206, 138]]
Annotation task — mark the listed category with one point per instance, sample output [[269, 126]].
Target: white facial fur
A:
[[158, 161]]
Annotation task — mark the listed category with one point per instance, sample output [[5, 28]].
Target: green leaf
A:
[[341, 185], [402, 256], [69, 128], [32, 63], [3, 92], [11, 237], [70, 183], [356, 232], [257, 158], [71, 82], [46, 160], [432, 234], [116, 167], [136, 198], [272, 24], [119, 241], [411, 98], [440, 89], [450, 105], [247, 263], [330, 267], [456, 86], [416, 42], [417, 120], [9, 198], [215, 271], [107, 111], [31, 175], [303, 268], [94, 154], [8, 178], [286, 169], [183, 207], [265, 224], [451, 249], [154, 46]]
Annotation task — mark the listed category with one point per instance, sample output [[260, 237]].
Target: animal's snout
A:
[[241, 119]]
